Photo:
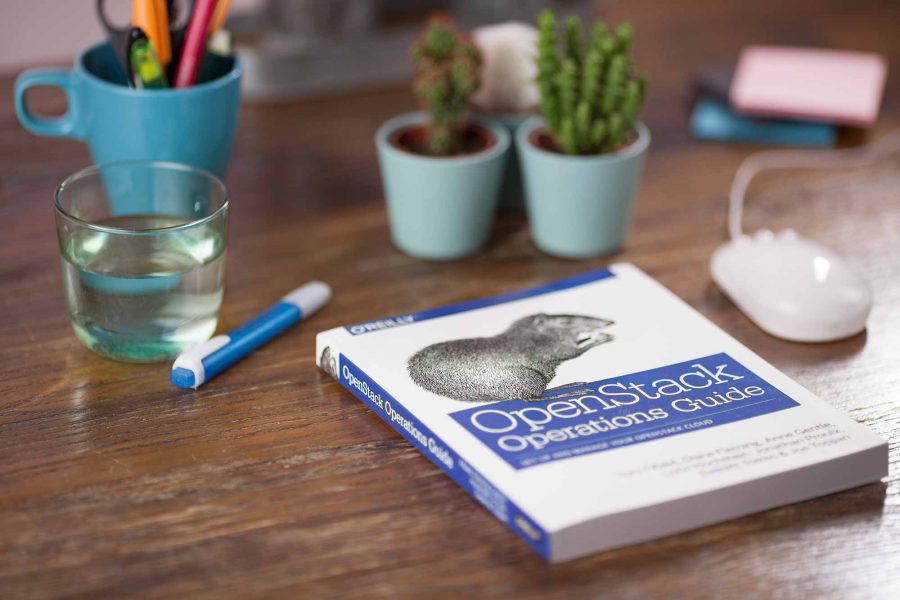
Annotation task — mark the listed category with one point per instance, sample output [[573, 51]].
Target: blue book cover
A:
[[598, 411], [714, 120]]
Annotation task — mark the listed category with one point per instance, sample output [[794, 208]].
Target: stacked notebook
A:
[[791, 96]]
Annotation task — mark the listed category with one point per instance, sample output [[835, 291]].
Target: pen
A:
[[194, 42], [219, 43], [144, 67], [202, 362]]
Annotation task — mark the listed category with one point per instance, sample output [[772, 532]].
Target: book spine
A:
[[432, 447]]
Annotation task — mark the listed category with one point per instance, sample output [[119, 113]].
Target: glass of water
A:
[[143, 257]]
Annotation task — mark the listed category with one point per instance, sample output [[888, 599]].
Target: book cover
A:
[[599, 411]]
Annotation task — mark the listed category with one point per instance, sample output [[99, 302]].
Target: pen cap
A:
[[309, 297]]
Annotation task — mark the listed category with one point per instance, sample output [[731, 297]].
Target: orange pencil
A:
[[153, 18], [219, 15]]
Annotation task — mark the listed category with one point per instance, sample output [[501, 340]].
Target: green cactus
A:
[[590, 93], [447, 73]]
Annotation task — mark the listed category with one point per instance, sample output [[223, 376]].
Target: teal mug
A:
[[193, 126]]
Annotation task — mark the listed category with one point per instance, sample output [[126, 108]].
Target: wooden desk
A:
[[274, 482]]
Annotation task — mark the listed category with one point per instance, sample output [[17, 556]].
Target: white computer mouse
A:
[[792, 287]]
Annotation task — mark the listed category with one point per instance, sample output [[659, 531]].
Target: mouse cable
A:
[[799, 159]]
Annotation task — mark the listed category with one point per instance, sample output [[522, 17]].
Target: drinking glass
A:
[[142, 245]]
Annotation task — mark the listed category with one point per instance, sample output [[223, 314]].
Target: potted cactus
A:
[[441, 168], [582, 162]]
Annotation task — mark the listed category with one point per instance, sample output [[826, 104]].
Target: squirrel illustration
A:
[[518, 363], [329, 363]]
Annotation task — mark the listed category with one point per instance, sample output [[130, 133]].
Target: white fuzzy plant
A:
[[508, 69]]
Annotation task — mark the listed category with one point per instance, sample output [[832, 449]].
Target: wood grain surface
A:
[[272, 481]]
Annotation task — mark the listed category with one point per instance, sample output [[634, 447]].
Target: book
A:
[[714, 120], [816, 84], [599, 411]]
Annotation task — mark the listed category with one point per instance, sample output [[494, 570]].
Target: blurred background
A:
[[290, 48], [301, 48], [348, 59]]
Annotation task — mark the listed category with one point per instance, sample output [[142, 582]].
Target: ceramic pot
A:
[[441, 208], [512, 197], [579, 206]]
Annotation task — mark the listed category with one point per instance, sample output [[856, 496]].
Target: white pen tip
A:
[[310, 297]]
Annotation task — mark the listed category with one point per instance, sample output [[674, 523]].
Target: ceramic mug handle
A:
[[65, 125]]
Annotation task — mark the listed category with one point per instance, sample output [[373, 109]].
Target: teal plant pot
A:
[[440, 208], [512, 196], [579, 206]]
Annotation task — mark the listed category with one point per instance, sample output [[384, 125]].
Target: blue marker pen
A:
[[202, 362]]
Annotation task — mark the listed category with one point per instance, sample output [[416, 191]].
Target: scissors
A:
[[163, 21]]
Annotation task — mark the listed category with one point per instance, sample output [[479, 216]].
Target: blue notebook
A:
[[714, 120]]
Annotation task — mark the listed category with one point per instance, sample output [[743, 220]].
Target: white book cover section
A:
[[599, 411]]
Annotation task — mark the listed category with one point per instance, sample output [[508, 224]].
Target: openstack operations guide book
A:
[[599, 411]]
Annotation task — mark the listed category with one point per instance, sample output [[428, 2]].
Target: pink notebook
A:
[[810, 84]]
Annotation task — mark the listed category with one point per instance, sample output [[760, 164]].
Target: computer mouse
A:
[[792, 287]]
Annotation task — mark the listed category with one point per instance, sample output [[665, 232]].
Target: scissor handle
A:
[[107, 24], [171, 8], [118, 36], [178, 18], [178, 12]]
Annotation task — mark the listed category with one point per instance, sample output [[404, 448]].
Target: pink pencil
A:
[[194, 43]]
